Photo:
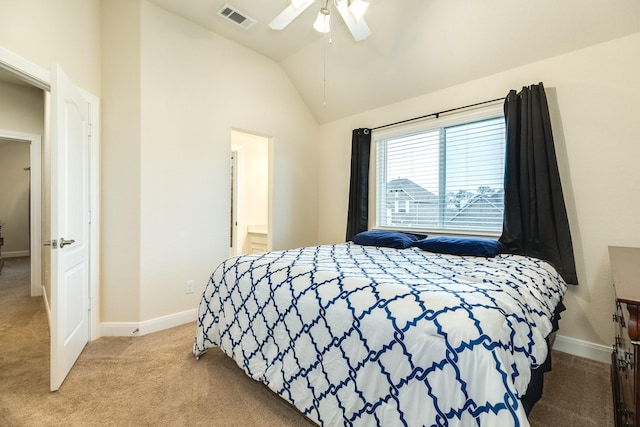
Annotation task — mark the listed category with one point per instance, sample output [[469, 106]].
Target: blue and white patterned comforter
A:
[[364, 336]]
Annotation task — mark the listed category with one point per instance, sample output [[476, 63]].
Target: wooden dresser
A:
[[624, 363], [625, 358]]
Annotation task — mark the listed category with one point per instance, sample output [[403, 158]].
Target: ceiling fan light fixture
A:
[[322, 23], [348, 10], [358, 8]]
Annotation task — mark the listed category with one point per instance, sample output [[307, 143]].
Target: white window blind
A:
[[445, 176]]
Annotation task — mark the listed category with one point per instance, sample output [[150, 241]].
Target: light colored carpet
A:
[[154, 380]]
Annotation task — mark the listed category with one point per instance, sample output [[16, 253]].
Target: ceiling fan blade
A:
[[359, 29], [288, 15]]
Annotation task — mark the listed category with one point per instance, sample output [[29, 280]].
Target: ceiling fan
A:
[[350, 10]]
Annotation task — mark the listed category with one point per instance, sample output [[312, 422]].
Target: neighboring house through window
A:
[[442, 175]]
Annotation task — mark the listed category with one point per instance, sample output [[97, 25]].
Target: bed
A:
[[365, 335]]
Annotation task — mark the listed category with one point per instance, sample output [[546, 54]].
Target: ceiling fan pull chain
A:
[[324, 69]]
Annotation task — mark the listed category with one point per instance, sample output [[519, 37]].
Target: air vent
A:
[[237, 17]]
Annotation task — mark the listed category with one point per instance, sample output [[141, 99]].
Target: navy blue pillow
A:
[[474, 246], [385, 238]]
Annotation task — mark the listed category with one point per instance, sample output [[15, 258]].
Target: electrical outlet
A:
[[188, 287]]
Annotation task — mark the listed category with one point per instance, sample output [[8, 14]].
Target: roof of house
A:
[[414, 191]]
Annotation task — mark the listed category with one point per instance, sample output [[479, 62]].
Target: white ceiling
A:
[[416, 46]]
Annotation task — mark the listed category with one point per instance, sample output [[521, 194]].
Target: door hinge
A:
[[90, 217]]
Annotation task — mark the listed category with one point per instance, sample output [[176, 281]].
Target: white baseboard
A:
[[597, 352], [128, 329], [15, 254]]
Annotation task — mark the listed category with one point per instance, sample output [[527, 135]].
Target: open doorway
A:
[[20, 201], [249, 227]]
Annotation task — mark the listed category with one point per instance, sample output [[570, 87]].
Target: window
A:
[[446, 175]]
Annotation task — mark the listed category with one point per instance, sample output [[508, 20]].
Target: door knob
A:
[[65, 242]]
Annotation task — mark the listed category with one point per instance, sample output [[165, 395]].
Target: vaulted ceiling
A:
[[416, 46]]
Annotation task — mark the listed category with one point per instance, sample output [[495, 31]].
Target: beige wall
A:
[[120, 162], [169, 100], [171, 92], [593, 95], [65, 32], [21, 108], [43, 32], [165, 176]]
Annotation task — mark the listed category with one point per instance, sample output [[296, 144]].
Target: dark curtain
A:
[[535, 217], [358, 215]]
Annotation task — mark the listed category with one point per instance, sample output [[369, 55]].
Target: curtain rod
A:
[[437, 115]]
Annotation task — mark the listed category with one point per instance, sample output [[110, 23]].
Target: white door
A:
[[69, 225]]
